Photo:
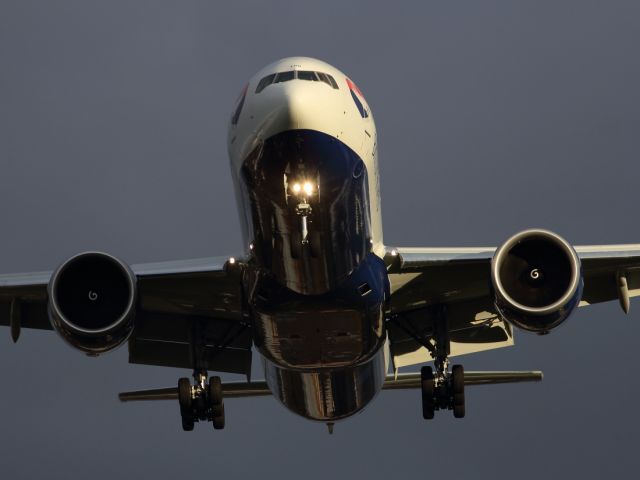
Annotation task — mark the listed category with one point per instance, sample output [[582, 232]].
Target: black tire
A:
[[457, 391], [215, 391], [217, 410], [458, 405], [184, 393], [428, 391], [218, 420], [457, 380], [187, 421]]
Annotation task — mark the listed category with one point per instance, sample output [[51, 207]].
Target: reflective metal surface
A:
[[316, 292], [323, 353], [337, 329], [308, 209], [327, 394]]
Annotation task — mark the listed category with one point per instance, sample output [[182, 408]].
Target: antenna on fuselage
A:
[[330, 427]]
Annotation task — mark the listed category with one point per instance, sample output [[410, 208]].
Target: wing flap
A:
[[28, 293], [474, 326], [32, 315], [603, 265], [178, 355], [191, 301]]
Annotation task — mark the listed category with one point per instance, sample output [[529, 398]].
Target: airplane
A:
[[333, 311]]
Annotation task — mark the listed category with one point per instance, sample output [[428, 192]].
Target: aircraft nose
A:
[[308, 105], [298, 105]]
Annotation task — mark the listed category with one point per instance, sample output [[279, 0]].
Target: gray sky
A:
[[492, 117]]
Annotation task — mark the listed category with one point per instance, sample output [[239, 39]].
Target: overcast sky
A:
[[492, 117]]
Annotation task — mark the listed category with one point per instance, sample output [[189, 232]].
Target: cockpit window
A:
[[307, 75], [236, 114], [328, 79], [266, 81], [323, 78], [285, 76], [293, 74]]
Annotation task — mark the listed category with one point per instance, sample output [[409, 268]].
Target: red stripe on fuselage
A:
[[354, 87]]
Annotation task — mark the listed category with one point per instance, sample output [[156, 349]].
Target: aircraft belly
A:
[[324, 356], [337, 329], [327, 394]]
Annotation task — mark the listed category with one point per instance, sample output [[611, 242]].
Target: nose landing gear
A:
[[202, 401]]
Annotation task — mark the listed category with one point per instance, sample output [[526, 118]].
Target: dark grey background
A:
[[492, 117]]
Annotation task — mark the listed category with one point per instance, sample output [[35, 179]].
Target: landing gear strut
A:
[[202, 401], [442, 389]]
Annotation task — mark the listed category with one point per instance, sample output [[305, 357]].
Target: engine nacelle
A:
[[537, 280], [92, 302]]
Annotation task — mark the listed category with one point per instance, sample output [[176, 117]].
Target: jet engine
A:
[[537, 280], [92, 302]]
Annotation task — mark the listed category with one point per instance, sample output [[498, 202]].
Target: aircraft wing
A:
[[175, 299], [459, 279]]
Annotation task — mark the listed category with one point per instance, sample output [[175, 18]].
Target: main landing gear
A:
[[202, 401], [442, 389]]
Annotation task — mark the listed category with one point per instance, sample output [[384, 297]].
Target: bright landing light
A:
[[308, 188], [296, 188]]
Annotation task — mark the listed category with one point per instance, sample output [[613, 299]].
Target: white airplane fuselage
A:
[[302, 145]]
